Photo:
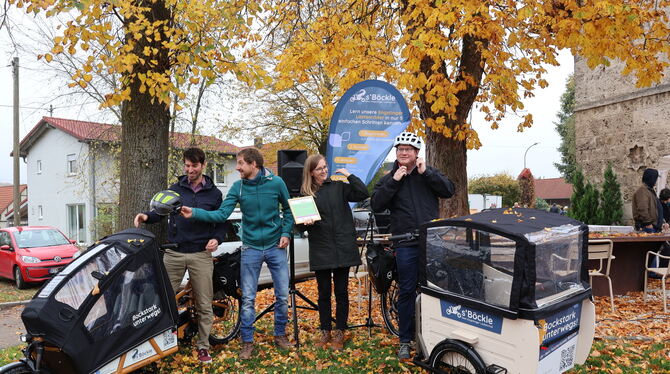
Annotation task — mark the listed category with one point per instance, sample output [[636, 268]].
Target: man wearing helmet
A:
[[410, 192], [195, 240]]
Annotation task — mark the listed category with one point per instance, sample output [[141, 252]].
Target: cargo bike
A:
[[504, 291], [113, 310]]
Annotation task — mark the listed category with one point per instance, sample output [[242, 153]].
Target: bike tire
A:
[[227, 312], [456, 357], [389, 306], [18, 367]]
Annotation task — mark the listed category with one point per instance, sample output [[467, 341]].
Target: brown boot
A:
[[324, 339], [247, 350], [282, 342], [337, 344]]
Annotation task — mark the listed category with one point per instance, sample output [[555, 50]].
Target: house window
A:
[[76, 222], [39, 166], [71, 164], [40, 212], [219, 174]]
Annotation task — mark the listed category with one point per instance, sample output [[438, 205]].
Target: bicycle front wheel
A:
[[18, 367], [389, 304], [226, 325]]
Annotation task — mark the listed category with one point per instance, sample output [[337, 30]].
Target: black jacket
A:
[[413, 200], [191, 235], [332, 240]]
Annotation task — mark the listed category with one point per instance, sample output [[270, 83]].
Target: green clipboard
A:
[[304, 208]]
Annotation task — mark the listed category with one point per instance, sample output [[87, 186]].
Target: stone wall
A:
[[617, 123]]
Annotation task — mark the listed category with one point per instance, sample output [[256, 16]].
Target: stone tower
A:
[[617, 123]]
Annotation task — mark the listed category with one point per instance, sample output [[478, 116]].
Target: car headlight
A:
[[30, 259]]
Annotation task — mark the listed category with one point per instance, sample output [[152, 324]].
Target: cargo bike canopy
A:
[[517, 263], [103, 303]]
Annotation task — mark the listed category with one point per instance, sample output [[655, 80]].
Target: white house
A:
[[73, 178]]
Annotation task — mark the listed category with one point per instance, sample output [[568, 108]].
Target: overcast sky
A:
[[502, 149]]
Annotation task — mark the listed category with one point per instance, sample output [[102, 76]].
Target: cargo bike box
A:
[[504, 291]]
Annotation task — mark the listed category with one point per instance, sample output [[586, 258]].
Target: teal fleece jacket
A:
[[259, 200]]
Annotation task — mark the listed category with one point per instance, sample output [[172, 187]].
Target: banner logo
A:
[[472, 317]]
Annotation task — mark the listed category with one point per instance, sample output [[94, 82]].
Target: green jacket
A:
[[259, 200]]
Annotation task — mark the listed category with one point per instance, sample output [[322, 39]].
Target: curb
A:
[[13, 304]]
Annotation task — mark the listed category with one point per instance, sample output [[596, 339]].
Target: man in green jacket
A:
[[265, 236]]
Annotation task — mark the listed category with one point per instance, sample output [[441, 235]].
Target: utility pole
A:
[[17, 183]]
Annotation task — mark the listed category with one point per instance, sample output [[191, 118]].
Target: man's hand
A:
[[140, 218], [212, 245], [401, 172], [308, 221], [421, 164], [186, 212], [283, 242], [343, 171]]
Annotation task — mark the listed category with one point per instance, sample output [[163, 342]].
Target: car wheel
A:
[[18, 279]]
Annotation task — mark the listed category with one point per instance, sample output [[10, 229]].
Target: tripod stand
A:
[[369, 322]]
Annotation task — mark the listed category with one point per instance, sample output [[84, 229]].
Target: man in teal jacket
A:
[[265, 236]]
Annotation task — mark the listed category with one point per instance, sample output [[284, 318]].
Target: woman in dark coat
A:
[[332, 242]]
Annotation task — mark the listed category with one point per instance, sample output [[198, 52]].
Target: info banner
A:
[[367, 119]]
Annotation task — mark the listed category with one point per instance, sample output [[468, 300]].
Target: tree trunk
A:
[[144, 136], [450, 157]]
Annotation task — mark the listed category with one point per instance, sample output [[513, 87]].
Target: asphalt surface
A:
[[11, 326]]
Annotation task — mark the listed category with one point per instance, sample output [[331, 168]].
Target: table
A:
[[627, 271]]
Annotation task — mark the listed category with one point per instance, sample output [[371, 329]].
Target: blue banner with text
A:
[[365, 123]]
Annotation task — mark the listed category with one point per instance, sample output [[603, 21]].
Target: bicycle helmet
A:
[[165, 202], [408, 138]]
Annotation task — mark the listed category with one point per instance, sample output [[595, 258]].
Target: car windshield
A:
[[39, 238]]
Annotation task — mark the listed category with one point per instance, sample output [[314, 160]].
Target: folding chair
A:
[[662, 271], [601, 250]]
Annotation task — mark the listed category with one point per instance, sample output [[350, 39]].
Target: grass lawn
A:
[[633, 339], [10, 293]]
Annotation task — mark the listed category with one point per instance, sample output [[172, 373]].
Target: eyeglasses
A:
[[404, 149], [323, 168]]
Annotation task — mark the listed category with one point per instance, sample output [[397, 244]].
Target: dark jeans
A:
[[340, 279], [407, 262]]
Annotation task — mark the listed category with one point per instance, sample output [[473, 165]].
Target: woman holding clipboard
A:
[[332, 242]]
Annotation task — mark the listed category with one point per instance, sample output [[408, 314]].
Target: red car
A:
[[33, 253]]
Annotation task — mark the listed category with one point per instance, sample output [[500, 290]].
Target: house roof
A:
[[93, 131], [7, 195], [553, 188]]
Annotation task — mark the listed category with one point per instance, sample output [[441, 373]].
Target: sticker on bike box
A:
[[139, 353], [146, 315], [559, 324], [558, 356], [166, 340], [472, 317]]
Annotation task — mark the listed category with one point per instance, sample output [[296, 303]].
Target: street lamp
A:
[[525, 153]]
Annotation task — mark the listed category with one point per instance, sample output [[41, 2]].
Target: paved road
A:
[[11, 326]]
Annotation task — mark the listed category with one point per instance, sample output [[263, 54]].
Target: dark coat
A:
[[332, 240], [191, 235], [413, 200]]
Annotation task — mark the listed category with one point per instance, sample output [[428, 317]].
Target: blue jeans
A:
[[250, 269], [407, 262]]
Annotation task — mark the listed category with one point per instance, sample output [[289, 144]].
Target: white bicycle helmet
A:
[[408, 138]]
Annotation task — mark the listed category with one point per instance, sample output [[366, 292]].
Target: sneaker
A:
[[247, 350], [403, 352], [324, 339], [282, 342], [338, 340], [203, 356]]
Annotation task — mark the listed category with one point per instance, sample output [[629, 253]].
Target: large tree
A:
[[566, 130], [156, 47], [452, 56]]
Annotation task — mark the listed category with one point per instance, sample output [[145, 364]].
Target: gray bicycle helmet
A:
[[165, 202], [408, 138]]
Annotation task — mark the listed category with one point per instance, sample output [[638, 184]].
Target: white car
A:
[[301, 250]]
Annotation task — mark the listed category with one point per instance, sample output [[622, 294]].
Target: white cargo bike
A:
[[504, 291]]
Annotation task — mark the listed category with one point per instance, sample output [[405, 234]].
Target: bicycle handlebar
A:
[[404, 237]]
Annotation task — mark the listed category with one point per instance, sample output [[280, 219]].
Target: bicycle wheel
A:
[[389, 304], [456, 358], [226, 324], [16, 368]]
